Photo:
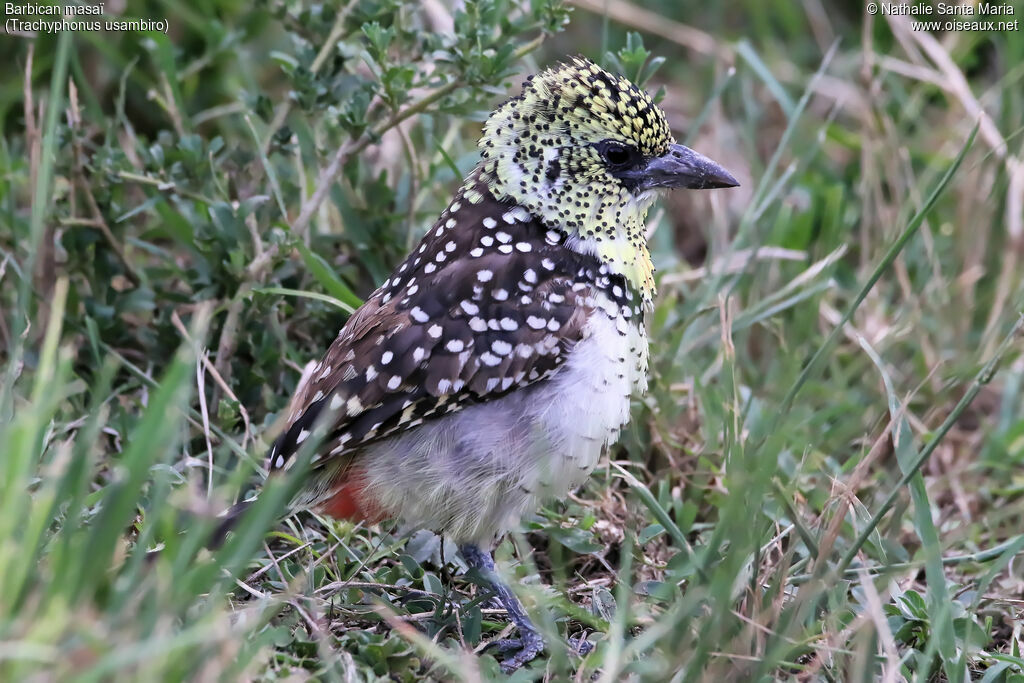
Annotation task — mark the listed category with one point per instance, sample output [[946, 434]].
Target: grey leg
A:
[[529, 643]]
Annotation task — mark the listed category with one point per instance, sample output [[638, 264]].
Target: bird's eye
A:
[[616, 155]]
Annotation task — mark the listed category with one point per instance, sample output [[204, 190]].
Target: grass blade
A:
[[887, 260]]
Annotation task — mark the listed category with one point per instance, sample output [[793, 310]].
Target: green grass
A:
[[823, 482]]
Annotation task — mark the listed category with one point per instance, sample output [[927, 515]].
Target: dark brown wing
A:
[[489, 302]]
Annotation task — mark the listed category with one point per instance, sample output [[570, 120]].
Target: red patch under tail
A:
[[348, 500]]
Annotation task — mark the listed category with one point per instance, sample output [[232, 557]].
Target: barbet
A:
[[492, 369]]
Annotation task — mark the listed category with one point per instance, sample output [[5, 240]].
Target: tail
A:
[[227, 521]]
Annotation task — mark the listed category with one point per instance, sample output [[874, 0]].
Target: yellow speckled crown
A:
[[539, 150]]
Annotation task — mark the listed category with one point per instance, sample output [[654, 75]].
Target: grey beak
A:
[[682, 167]]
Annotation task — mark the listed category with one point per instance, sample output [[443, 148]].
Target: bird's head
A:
[[585, 152]]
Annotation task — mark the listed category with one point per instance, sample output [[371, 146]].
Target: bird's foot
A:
[[527, 649], [580, 645], [530, 643], [519, 650]]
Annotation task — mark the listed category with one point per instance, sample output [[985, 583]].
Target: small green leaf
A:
[[472, 621], [602, 604], [432, 584], [327, 278], [575, 539], [650, 532]]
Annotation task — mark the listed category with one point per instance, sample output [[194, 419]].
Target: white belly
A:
[[586, 403], [474, 473]]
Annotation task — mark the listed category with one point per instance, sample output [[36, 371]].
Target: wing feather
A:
[[462, 320]]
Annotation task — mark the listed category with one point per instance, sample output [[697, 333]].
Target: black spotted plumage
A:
[[490, 301], [495, 366]]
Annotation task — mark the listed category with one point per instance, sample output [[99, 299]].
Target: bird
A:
[[496, 364]]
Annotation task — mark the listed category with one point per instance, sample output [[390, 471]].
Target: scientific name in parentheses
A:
[[63, 10]]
